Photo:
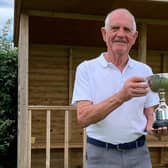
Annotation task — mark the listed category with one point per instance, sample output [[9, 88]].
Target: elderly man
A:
[[114, 101]]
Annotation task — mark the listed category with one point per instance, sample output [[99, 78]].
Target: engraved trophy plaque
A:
[[159, 83]]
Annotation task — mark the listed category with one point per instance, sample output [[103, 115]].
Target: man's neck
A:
[[119, 61]]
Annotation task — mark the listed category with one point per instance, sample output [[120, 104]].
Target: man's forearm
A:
[[89, 114]]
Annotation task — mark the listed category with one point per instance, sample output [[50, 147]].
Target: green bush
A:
[[8, 103]]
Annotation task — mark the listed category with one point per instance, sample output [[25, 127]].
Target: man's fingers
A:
[[138, 79], [139, 92], [160, 131], [164, 130]]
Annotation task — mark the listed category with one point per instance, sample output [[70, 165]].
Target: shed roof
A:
[[71, 22]]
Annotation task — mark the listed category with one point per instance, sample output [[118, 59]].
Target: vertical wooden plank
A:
[[70, 122], [30, 138], [24, 140], [66, 140], [142, 48], [84, 148], [70, 75], [48, 128], [70, 98], [162, 154], [163, 62]]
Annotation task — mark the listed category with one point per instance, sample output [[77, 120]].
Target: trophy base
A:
[[166, 122], [160, 123]]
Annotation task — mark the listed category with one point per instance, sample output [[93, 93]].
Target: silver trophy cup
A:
[[159, 83]]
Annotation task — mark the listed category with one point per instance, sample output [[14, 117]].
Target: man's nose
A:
[[120, 32]]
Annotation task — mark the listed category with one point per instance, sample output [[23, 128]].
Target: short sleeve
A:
[[81, 89], [152, 98]]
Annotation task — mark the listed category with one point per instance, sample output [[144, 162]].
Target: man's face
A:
[[119, 36]]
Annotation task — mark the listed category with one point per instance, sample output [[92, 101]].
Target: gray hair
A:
[[107, 19]]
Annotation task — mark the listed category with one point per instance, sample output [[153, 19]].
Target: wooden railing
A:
[[153, 142], [67, 110]]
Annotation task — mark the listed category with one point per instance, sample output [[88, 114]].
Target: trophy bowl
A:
[[159, 83]]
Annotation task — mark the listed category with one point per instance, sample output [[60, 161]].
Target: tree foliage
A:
[[8, 100]]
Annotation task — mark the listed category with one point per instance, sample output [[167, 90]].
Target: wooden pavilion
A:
[[53, 37]]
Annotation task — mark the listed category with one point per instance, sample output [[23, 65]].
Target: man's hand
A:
[[149, 129], [162, 131], [134, 87]]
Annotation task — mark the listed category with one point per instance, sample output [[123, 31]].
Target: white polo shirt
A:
[[96, 80]]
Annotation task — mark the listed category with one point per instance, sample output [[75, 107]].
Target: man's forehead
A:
[[121, 24], [121, 20], [120, 16], [120, 12]]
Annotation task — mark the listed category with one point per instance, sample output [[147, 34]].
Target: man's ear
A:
[[103, 31], [135, 36]]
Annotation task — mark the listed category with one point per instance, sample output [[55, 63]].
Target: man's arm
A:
[[149, 113], [88, 113]]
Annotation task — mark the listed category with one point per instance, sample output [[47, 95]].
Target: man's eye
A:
[[114, 28], [127, 29]]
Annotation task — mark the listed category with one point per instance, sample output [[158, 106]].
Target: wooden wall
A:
[[51, 77], [48, 76]]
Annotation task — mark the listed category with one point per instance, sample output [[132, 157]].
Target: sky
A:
[[6, 12]]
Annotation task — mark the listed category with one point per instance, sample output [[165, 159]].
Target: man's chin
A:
[[121, 52]]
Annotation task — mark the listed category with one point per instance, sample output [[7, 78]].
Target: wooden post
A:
[[48, 127], [24, 123], [84, 148], [163, 63], [70, 75], [30, 138], [66, 140], [142, 48]]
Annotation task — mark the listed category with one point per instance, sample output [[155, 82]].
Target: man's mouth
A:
[[119, 41]]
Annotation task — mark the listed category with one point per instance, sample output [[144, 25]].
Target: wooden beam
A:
[[142, 48], [41, 107], [159, 0], [17, 12], [24, 123], [88, 17], [64, 15], [153, 21]]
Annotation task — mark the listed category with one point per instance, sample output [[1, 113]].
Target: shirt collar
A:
[[104, 62]]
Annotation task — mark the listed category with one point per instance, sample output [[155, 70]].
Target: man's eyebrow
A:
[[129, 28], [125, 27]]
